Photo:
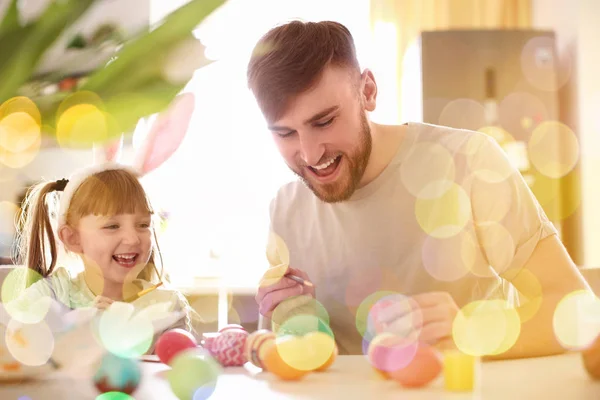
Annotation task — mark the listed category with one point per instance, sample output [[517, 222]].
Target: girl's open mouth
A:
[[126, 260]]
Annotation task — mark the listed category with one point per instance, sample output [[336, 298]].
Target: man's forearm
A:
[[537, 337]]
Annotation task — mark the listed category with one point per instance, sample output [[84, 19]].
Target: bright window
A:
[[218, 186]]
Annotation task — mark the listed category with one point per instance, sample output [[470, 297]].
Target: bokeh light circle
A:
[[486, 327], [492, 201], [21, 104], [553, 149], [82, 121], [81, 126], [388, 352], [299, 307], [307, 352], [463, 114], [30, 344], [20, 139], [124, 334], [576, 319], [445, 215], [362, 313], [20, 132], [434, 163], [303, 324], [443, 262], [558, 197], [530, 291], [488, 161], [540, 64], [520, 112], [397, 314], [500, 135], [277, 250], [498, 245], [194, 375], [25, 310]]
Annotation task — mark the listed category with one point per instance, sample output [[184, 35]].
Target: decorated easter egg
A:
[[172, 342], [256, 344], [229, 327], [306, 352], [228, 347], [425, 366], [388, 352], [117, 374], [275, 364], [193, 375]]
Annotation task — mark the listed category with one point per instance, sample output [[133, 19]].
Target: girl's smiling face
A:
[[117, 247]]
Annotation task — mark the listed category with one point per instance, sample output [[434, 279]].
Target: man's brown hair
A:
[[290, 58]]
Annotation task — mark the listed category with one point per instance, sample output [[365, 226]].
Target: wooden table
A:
[[351, 377]]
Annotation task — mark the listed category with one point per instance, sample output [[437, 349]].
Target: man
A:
[[435, 214]]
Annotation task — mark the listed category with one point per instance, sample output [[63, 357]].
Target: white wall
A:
[[576, 23]]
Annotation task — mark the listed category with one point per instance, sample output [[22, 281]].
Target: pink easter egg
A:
[[228, 347]]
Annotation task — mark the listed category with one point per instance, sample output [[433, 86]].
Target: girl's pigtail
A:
[[36, 232]]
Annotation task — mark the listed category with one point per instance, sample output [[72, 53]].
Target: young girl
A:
[[105, 217]]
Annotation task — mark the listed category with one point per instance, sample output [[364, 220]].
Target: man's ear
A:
[[70, 238], [369, 90]]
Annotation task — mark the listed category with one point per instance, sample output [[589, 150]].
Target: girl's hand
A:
[[102, 303]]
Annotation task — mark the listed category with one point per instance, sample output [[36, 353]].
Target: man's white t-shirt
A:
[[449, 213]]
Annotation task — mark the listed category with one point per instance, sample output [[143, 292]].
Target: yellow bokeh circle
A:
[[529, 290], [434, 163], [486, 327], [498, 245], [20, 139], [577, 319], [21, 104], [306, 353], [446, 215], [443, 262], [82, 121], [553, 149], [488, 162], [492, 201], [30, 344], [560, 198], [463, 114]]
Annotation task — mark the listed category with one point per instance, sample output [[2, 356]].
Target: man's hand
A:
[[591, 359], [275, 288], [426, 317]]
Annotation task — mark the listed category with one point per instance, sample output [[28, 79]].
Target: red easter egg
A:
[[172, 342], [425, 366]]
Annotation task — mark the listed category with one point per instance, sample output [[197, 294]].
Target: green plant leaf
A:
[[11, 19], [23, 47], [149, 48]]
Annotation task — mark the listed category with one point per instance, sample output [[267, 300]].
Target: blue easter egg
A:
[[117, 374]]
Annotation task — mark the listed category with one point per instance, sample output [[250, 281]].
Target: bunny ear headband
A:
[[163, 139]]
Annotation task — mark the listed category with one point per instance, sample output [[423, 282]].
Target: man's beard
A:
[[346, 184]]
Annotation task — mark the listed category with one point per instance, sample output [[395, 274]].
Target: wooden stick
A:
[[143, 292]]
